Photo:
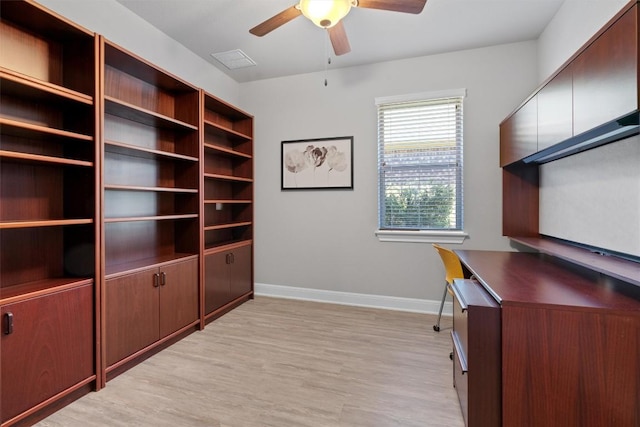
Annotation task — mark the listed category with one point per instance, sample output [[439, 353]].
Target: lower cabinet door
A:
[[131, 314], [178, 295], [216, 282], [240, 277], [46, 347]]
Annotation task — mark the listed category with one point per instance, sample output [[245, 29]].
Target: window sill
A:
[[421, 236]]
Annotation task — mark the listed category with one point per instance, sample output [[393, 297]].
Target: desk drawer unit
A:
[[476, 350]]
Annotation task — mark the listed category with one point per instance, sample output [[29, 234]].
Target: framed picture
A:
[[314, 164]]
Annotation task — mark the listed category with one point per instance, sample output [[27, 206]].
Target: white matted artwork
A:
[[313, 164]]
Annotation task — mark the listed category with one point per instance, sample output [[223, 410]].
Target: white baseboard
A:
[[349, 298]]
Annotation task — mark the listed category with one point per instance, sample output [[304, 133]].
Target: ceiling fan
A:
[[328, 14]]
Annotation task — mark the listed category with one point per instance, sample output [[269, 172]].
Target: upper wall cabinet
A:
[[590, 101], [555, 110], [605, 75], [519, 134]]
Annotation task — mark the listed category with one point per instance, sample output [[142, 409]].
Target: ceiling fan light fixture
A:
[[325, 13]]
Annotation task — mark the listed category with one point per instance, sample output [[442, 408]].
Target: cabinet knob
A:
[[156, 280], [163, 278], [8, 329]]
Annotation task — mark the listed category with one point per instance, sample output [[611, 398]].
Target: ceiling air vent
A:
[[234, 59]]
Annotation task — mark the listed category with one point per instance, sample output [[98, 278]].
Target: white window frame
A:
[[420, 236]]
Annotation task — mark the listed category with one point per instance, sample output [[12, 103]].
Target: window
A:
[[420, 162]]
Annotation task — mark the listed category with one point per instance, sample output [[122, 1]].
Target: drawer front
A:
[[461, 326], [461, 383]]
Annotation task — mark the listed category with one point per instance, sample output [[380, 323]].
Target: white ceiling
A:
[[211, 26]]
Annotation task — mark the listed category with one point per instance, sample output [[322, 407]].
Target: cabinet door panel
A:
[[216, 272], [50, 349], [519, 133], [240, 272], [131, 314], [178, 296], [605, 76], [555, 110]]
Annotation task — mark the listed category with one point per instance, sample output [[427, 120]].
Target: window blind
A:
[[420, 164]]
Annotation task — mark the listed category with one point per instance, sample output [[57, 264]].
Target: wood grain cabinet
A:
[[476, 350], [151, 195], [555, 109], [227, 205], [146, 306], [598, 85], [228, 276], [605, 75], [47, 347], [519, 133], [569, 340], [48, 210]]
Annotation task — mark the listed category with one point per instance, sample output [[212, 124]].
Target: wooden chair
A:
[[453, 270]]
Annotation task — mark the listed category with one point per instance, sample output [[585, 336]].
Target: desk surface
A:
[[515, 278]]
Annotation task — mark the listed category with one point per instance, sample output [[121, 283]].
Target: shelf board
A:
[[227, 201], [32, 88], [625, 270], [37, 158], [30, 130], [128, 111], [147, 153], [116, 187], [44, 223], [23, 291], [150, 218], [226, 245], [230, 225], [116, 270], [226, 151], [227, 177], [219, 106], [225, 130]]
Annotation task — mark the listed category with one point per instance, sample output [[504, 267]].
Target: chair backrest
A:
[[452, 265]]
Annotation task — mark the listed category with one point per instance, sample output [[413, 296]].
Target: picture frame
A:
[[317, 164]]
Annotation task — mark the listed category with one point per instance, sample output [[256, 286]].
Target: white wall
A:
[[123, 27], [574, 24], [325, 239]]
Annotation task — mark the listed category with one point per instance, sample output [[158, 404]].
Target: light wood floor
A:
[[285, 363]]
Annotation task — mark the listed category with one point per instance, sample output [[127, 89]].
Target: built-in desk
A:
[[570, 340]]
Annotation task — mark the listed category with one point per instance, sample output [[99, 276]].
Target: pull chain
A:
[[326, 54]]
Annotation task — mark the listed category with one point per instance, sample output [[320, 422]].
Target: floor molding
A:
[[355, 299]]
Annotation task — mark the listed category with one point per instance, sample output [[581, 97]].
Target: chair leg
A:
[[436, 327]]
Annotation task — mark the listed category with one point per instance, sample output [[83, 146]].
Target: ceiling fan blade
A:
[[339, 39], [406, 6], [275, 21]]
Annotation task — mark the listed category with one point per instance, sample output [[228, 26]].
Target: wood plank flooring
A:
[[285, 363]]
